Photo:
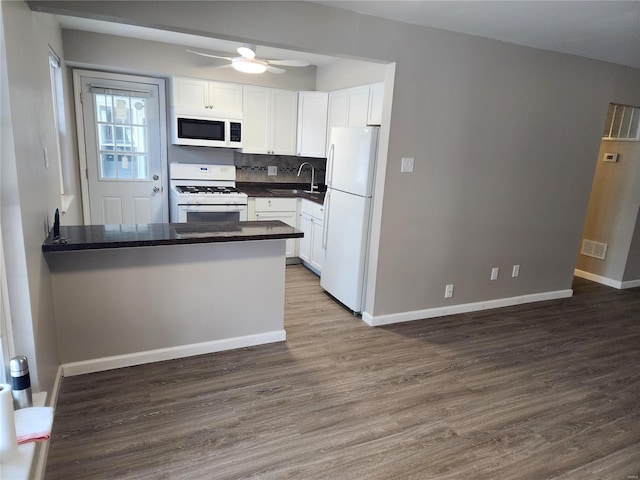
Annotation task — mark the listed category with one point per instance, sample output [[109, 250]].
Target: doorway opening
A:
[[610, 247]]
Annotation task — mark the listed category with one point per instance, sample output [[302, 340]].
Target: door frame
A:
[[82, 152]]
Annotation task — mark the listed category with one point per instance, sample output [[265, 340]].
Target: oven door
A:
[[211, 213]]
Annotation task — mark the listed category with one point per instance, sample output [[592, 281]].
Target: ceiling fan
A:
[[248, 63]]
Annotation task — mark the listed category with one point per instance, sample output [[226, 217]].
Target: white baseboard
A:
[[609, 282], [150, 356], [631, 284], [379, 320]]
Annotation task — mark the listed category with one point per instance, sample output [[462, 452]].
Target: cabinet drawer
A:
[[312, 209], [318, 211], [306, 207], [276, 204]]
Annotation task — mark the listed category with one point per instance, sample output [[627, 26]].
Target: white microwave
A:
[[201, 131]]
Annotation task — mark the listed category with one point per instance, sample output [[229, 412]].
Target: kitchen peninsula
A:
[[132, 294]]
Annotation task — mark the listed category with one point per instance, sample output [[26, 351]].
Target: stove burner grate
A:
[[215, 190]]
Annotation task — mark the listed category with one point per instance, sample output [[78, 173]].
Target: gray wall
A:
[[144, 57], [346, 73], [505, 140], [30, 191], [613, 210]]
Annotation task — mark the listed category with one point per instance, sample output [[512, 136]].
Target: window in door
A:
[[123, 134], [623, 123]]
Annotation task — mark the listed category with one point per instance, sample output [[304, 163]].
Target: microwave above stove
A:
[[202, 131]]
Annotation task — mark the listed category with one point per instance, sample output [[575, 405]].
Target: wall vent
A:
[[594, 249]]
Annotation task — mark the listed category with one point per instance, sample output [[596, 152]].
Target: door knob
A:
[[156, 189]]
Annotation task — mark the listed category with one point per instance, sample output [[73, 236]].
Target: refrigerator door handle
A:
[[325, 219], [329, 173]]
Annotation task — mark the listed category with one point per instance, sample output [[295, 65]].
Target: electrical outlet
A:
[[516, 271], [448, 291], [272, 170], [494, 273], [407, 164]]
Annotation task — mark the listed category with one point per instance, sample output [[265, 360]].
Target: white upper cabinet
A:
[[270, 120], [202, 97], [312, 124], [338, 109], [284, 121], [376, 97], [354, 107], [255, 110], [357, 106]]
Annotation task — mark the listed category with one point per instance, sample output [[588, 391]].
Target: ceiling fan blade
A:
[[288, 63], [275, 69], [209, 55]]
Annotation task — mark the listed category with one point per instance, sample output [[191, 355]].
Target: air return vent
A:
[[594, 249]]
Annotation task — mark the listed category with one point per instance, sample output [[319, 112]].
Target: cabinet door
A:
[[306, 225], [336, 112], [255, 128], [376, 96], [317, 251], [225, 96], [283, 122], [190, 94], [358, 106], [290, 218], [312, 124]]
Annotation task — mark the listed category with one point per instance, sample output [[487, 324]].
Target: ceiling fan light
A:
[[247, 51], [248, 65]]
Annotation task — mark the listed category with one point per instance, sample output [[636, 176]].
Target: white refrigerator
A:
[[350, 174]]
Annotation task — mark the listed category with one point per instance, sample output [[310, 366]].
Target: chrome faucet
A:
[[313, 173]]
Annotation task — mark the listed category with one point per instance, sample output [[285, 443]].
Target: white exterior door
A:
[[124, 141]]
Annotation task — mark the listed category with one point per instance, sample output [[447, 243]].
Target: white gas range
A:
[[205, 193]]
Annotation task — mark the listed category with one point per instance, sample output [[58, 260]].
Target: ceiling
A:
[[601, 30], [205, 43]]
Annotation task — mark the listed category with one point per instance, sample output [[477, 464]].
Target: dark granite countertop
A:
[[283, 190], [92, 237]]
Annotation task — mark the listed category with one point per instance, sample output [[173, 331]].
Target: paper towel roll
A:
[[8, 441]]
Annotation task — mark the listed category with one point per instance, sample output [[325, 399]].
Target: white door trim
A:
[[82, 157]]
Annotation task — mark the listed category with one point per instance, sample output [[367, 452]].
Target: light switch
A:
[[272, 170], [407, 164]]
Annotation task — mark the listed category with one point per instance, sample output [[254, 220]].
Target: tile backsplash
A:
[[255, 168]]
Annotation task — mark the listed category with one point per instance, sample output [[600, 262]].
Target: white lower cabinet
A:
[[283, 209], [311, 223]]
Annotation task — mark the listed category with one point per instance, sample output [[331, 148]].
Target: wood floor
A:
[[548, 390]]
